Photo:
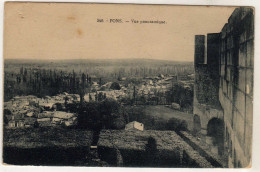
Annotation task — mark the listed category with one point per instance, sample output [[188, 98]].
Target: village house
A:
[[11, 124], [134, 125], [44, 122], [16, 122]]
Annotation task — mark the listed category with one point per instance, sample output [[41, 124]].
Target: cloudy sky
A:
[[71, 30]]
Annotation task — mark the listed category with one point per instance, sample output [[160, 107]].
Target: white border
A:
[[256, 126]]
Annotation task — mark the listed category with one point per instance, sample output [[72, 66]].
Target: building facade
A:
[[224, 65]]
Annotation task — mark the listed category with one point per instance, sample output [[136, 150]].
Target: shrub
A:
[[151, 152], [115, 86], [118, 123], [176, 124]]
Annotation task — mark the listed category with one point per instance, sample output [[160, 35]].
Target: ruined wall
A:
[[199, 49], [236, 85], [206, 104], [230, 61], [207, 69]]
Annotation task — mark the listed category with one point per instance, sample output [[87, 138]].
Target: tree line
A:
[[42, 82]]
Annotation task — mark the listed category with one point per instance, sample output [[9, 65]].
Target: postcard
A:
[[128, 85]]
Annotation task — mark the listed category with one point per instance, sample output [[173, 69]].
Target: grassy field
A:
[[167, 113]]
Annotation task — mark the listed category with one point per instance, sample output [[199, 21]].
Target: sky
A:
[[57, 31]]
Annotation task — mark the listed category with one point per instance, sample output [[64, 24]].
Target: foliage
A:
[[181, 95], [31, 77], [104, 114], [176, 124], [115, 86], [151, 151], [118, 122], [7, 112], [89, 116], [151, 145], [137, 113]]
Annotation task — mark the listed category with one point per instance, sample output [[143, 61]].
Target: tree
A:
[[66, 101], [90, 97], [89, 116], [36, 124], [108, 107], [151, 145], [21, 70], [59, 106], [100, 82], [7, 112], [25, 72], [134, 95], [73, 81], [98, 115], [151, 151], [176, 124], [118, 121], [82, 89], [5, 120], [115, 86], [24, 78], [100, 96]]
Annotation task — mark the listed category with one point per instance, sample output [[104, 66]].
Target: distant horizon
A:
[[54, 59]]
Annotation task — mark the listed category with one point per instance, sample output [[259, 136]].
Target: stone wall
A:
[[227, 78], [199, 49], [207, 69], [236, 85]]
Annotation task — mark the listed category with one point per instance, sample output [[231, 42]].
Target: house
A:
[[11, 124], [63, 115], [43, 119], [44, 122], [33, 103], [16, 123], [30, 114], [56, 120], [29, 122], [150, 82], [134, 125], [46, 105], [161, 76], [68, 123], [45, 114]]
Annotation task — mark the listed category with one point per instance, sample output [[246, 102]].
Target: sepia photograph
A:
[[127, 85]]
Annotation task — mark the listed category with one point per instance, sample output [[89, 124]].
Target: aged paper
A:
[[124, 85]]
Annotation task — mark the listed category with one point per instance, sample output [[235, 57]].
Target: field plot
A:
[[166, 113], [148, 148], [46, 146]]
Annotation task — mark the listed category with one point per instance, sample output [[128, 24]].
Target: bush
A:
[[118, 123], [151, 152], [151, 145], [115, 86], [183, 126], [176, 124], [103, 114]]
